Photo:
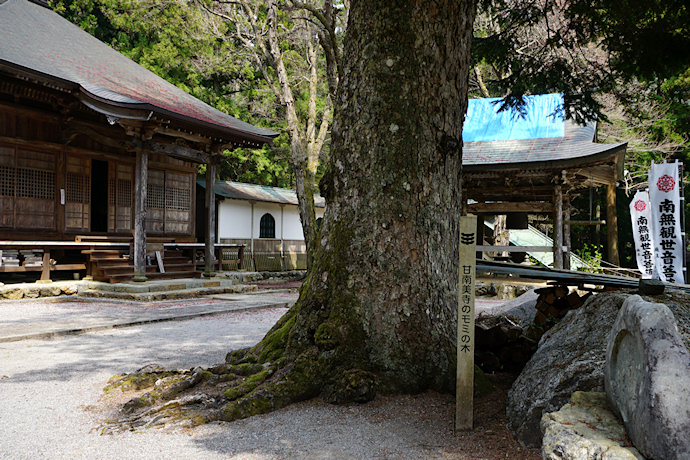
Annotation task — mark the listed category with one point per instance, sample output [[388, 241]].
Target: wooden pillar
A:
[[566, 235], [251, 239], [480, 234], [140, 184], [211, 218], [558, 228], [282, 238], [612, 224], [45, 271], [597, 228]]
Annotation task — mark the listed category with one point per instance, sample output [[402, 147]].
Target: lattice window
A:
[[112, 190], [179, 199], [155, 196], [6, 181], [124, 192], [33, 183], [77, 188]]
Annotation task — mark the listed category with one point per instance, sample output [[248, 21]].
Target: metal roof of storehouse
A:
[[251, 192], [539, 139], [37, 43]]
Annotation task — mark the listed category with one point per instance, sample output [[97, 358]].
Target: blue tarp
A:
[[543, 119]]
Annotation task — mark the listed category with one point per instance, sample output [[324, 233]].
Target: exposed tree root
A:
[[251, 381]]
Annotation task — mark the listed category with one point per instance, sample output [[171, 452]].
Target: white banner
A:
[[641, 217], [664, 194]]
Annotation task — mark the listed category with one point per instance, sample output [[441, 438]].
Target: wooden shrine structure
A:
[[540, 175], [97, 153]]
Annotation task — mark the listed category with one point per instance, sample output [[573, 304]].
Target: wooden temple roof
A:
[[38, 45], [576, 147], [526, 168]]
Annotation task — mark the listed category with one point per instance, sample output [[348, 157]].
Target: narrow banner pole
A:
[[683, 231], [464, 395]]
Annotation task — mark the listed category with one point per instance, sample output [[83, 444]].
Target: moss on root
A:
[[134, 382], [273, 346]]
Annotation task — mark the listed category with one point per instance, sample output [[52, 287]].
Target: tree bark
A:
[[383, 290]]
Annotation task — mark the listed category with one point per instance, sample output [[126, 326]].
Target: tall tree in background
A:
[[296, 49]]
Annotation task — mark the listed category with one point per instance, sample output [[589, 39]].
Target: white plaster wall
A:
[[262, 208], [234, 219]]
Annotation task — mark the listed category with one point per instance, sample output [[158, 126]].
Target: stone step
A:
[[162, 285], [168, 294]]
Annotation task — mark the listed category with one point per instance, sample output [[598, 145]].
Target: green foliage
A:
[[591, 254], [193, 50], [579, 47]]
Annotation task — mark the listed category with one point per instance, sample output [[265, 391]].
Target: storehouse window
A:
[[267, 226]]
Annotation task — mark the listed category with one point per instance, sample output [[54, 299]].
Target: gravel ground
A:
[[51, 400]]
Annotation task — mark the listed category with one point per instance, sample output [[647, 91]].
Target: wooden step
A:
[[103, 263]]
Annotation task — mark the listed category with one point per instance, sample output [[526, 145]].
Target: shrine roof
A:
[[539, 138], [38, 43], [251, 192]]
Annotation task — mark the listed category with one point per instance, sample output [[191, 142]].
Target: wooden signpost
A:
[[464, 395]]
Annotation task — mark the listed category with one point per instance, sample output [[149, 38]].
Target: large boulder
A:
[[570, 357], [647, 379]]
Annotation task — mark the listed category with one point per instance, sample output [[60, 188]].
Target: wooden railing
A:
[[268, 256]]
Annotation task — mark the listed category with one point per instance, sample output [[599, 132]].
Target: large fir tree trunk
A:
[[388, 266], [378, 310]]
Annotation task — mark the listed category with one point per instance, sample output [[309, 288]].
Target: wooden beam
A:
[[74, 128], [510, 206], [183, 135], [585, 222], [490, 248], [110, 139], [514, 190], [179, 151]]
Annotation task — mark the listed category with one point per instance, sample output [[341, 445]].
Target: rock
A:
[[647, 379], [521, 307], [50, 291], [506, 291], [570, 357], [585, 428], [32, 292], [70, 289], [651, 287], [481, 289], [13, 294], [251, 277]]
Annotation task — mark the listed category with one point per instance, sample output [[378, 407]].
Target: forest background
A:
[[224, 53]]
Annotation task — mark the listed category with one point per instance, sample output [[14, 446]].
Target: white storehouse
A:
[[266, 220]]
